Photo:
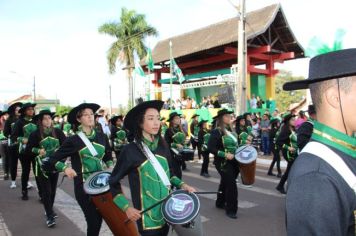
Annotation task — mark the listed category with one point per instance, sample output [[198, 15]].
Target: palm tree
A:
[[129, 34]]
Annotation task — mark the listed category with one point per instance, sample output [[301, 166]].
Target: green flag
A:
[[138, 70], [177, 71], [149, 60]]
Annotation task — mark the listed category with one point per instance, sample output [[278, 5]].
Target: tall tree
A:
[[129, 34], [285, 98]]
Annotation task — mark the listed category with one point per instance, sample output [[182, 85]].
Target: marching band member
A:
[[175, 137], [118, 134], [147, 162], [222, 143], [194, 130], [43, 142], [14, 115], [90, 152], [23, 127], [287, 142], [203, 138]]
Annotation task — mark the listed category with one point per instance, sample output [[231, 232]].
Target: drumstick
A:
[[207, 192], [152, 206]]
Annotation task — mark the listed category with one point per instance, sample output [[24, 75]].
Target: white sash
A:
[[156, 165], [87, 143], [333, 160], [231, 136]]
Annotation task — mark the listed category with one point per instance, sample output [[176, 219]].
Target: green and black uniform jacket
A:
[[47, 142], [81, 159], [22, 129], [145, 184]]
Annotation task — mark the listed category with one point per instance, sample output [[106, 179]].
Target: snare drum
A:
[[187, 154], [97, 186], [246, 155], [181, 210]]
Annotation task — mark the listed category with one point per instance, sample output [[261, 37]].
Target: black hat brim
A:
[[172, 115], [72, 115], [11, 108], [40, 115], [332, 65], [223, 113], [25, 106], [131, 117]]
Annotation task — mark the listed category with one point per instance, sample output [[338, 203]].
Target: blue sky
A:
[[57, 40]]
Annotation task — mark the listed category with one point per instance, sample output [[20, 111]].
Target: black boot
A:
[[24, 195]]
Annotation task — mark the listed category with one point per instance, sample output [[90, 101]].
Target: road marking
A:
[[252, 188], [69, 207], [4, 231]]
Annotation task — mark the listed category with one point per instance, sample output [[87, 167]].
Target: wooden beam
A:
[[206, 61], [230, 50], [252, 69], [283, 56], [262, 49]]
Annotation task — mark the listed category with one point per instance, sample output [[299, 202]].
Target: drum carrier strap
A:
[[333, 160], [156, 165], [87, 143]]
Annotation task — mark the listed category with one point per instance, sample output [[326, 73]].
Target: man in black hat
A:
[[304, 132], [23, 127], [321, 189], [14, 115]]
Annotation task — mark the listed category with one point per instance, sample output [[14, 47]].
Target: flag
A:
[[149, 60], [177, 71], [138, 70]]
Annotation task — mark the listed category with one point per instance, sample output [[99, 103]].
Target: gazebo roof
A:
[[258, 22]]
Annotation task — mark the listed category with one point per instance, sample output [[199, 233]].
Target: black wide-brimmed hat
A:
[[327, 66], [43, 112], [131, 117], [202, 122], [222, 112], [115, 118], [241, 117], [195, 115], [72, 115], [13, 106], [172, 115], [25, 106], [287, 117]]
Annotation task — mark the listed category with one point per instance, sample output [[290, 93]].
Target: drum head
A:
[[246, 154], [97, 183], [181, 207]]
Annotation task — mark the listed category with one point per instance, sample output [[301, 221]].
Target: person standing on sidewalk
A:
[[41, 143], [23, 127], [4, 150], [265, 129], [12, 147]]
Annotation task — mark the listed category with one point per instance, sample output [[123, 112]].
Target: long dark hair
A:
[[220, 124], [41, 128], [137, 131]]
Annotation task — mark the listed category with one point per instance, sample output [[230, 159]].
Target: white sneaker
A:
[[29, 185], [200, 162], [13, 184]]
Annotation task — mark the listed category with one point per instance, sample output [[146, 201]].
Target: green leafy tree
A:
[[285, 98], [60, 110], [129, 34]]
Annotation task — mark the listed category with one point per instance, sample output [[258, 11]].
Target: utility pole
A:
[[171, 73], [110, 100], [34, 89], [240, 85]]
